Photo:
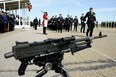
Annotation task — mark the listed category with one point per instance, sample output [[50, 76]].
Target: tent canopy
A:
[[13, 4]]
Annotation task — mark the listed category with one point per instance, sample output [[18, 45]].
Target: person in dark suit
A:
[[5, 20], [35, 23], [39, 22], [75, 23], [56, 23], [71, 22], [60, 23], [1, 23], [11, 23], [82, 24], [113, 24], [67, 23], [90, 22]]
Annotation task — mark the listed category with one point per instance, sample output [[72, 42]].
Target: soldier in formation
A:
[[60, 23], [82, 24], [75, 23], [108, 24]]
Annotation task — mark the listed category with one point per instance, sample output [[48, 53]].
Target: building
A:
[[17, 7]]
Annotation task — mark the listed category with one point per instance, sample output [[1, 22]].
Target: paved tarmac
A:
[[98, 61]]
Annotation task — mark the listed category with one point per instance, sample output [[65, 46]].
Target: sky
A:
[[105, 9]]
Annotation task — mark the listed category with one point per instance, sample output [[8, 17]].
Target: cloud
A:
[[105, 9]]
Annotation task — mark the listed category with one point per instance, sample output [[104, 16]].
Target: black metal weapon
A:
[[48, 53]]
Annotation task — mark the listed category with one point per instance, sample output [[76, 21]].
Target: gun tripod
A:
[[58, 68]]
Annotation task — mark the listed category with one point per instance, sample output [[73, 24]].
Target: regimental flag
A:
[[29, 7]]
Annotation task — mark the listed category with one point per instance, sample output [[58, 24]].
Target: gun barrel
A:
[[8, 55], [89, 38], [83, 43], [83, 39], [96, 37]]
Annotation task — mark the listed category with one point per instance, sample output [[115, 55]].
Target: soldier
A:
[[35, 21], [11, 23], [90, 22], [5, 20], [96, 24], [1, 23], [82, 23], [71, 21], [104, 24], [55, 23], [107, 24], [113, 24], [60, 23], [75, 23], [110, 24], [39, 22], [52, 23], [67, 23]]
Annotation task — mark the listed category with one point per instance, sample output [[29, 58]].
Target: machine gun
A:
[[48, 53]]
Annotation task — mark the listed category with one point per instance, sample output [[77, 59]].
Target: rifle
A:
[[48, 53]]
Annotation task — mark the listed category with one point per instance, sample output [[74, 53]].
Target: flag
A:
[[29, 7]]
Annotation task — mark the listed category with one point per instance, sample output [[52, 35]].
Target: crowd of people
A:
[[69, 23], [8, 21], [108, 24], [60, 23]]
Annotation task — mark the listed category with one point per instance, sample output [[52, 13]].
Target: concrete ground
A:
[[98, 61]]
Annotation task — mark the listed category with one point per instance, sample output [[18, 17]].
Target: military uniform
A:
[[56, 23], [96, 24], [51, 23], [71, 21], [60, 23], [11, 23], [1, 24], [107, 24], [115, 25], [35, 23], [82, 24], [5, 20], [90, 22], [67, 24], [75, 24], [39, 22]]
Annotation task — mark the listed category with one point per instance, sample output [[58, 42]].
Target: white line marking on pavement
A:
[[103, 54]]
